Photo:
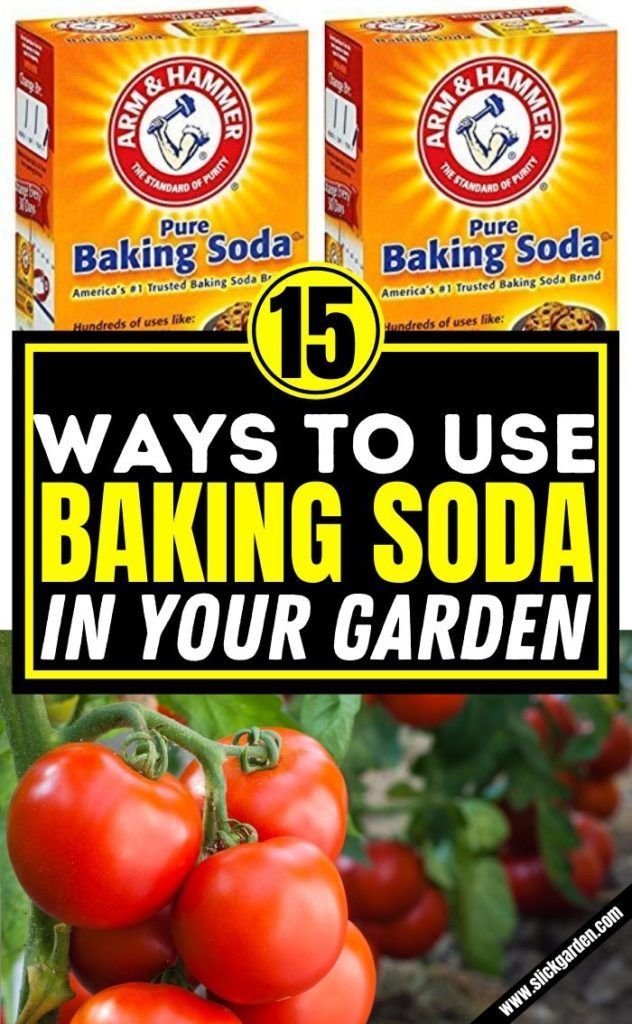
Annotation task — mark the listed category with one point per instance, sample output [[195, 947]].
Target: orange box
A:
[[161, 167], [471, 167]]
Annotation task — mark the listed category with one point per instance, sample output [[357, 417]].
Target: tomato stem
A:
[[45, 983], [95, 723], [261, 753], [215, 810]]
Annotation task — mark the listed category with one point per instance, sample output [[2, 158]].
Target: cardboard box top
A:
[[192, 23], [498, 24]]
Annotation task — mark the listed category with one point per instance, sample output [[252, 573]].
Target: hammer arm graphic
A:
[[493, 105], [184, 105]]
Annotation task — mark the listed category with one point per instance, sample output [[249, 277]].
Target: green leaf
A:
[[579, 749], [440, 863], [586, 745], [354, 848], [353, 831], [455, 775], [376, 741], [593, 707], [484, 911], [556, 839], [14, 902], [470, 750], [330, 718], [485, 827], [433, 819], [216, 715]]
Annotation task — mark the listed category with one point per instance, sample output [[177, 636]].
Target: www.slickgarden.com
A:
[[571, 955]]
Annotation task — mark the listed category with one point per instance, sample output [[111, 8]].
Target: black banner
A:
[[568, 955], [178, 516]]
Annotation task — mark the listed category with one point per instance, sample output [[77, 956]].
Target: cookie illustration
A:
[[541, 318], [573, 318], [234, 318]]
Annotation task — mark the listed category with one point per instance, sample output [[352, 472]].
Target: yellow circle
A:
[[316, 330]]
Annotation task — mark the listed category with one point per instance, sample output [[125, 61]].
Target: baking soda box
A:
[[471, 167], [161, 167]]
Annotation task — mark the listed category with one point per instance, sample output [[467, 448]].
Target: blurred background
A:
[[557, 770]]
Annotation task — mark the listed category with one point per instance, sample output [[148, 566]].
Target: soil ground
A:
[[439, 991]]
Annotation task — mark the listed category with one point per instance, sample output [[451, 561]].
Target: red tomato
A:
[[304, 796], [101, 958], [534, 892], [552, 719], [344, 996], [388, 885], [67, 1011], [616, 751], [416, 931], [424, 710], [599, 797], [261, 921], [595, 833], [140, 1003], [94, 843]]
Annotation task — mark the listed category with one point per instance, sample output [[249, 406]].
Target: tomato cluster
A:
[[593, 795], [392, 901], [262, 926]]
